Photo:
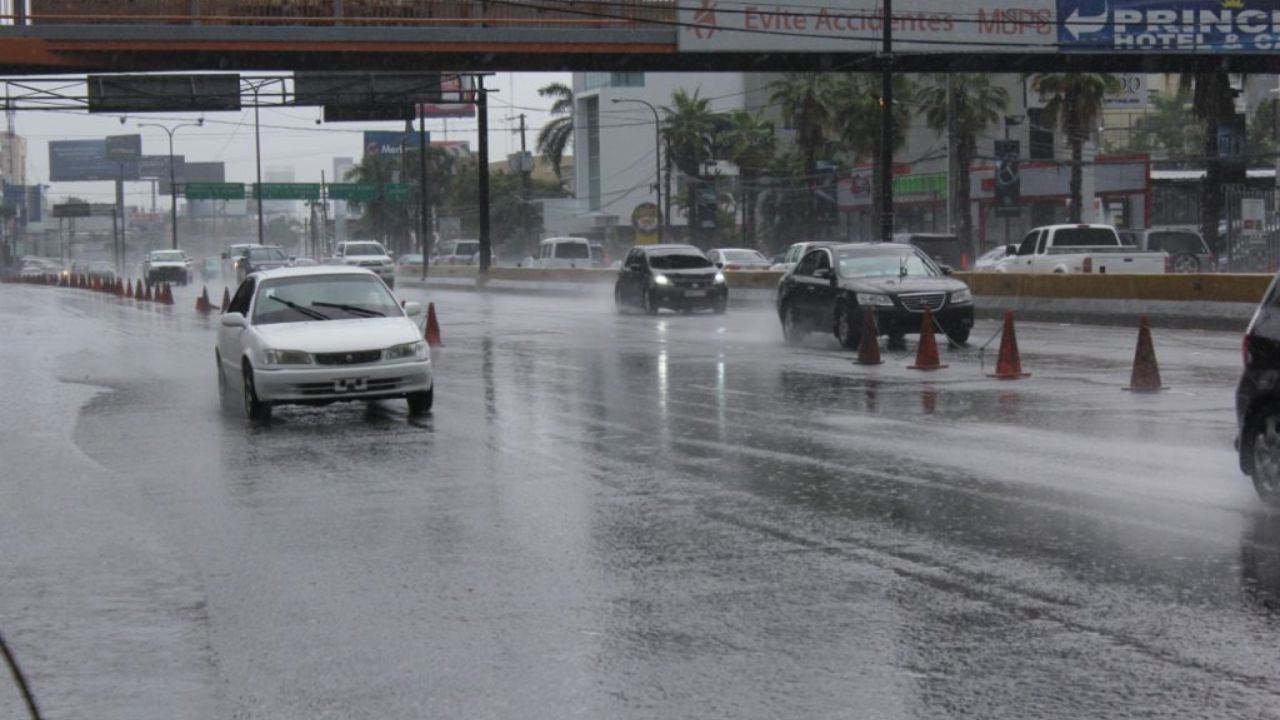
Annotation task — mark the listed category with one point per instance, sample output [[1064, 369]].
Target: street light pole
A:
[[657, 155], [173, 185], [257, 152]]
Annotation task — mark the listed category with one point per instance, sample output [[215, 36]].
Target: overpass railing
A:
[[404, 13]]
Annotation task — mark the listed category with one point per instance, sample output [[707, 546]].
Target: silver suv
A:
[[367, 254]]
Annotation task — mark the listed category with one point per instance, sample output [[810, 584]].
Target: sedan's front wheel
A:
[[254, 408], [421, 402], [847, 332]]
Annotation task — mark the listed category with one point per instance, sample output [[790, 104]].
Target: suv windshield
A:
[[678, 261], [274, 298], [169, 256], [266, 254], [365, 249]]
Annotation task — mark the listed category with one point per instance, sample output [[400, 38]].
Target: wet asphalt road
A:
[[629, 517]]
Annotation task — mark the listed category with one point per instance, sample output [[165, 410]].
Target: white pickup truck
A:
[[1079, 249], [369, 255]]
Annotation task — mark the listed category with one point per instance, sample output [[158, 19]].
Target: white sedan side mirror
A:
[[413, 309], [233, 319]]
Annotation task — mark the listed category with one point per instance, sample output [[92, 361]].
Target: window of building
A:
[[595, 80]]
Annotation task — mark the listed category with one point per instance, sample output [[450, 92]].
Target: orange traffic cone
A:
[[226, 298], [137, 291], [433, 327], [1146, 372], [1009, 364], [168, 294], [128, 289], [202, 302], [147, 295], [869, 344], [927, 353]]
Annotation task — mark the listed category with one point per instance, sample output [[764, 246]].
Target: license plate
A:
[[351, 385], [695, 293]]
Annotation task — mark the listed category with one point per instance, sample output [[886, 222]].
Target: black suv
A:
[[679, 277], [1258, 399], [828, 289]]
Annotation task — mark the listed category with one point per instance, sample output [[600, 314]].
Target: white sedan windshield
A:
[[322, 297]]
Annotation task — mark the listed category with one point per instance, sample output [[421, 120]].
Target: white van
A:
[[564, 252]]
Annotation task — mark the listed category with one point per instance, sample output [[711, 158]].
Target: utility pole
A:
[[482, 107], [424, 197], [886, 126], [524, 188]]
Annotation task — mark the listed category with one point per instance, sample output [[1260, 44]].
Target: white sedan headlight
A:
[[874, 300], [660, 279], [960, 297], [414, 350], [286, 357], [719, 279]]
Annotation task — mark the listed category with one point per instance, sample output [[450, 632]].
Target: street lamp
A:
[[256, 87], [657, 154], [173, 186]]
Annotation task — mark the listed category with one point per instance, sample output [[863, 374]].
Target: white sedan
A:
[[316, 335]]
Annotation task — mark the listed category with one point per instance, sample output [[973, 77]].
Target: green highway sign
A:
[[214, 191], [397, 191], [290, 191], [359, 192]]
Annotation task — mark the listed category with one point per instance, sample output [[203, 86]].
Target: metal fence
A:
[[1250, 243]]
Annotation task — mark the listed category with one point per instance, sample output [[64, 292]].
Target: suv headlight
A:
[[962, 296], [414, 350], [719, 279], [874, 300], [286, 357], [660, 279]]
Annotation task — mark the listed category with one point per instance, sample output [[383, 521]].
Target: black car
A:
[[262, 257], [1258, 399], [679, 277], [828, 289]]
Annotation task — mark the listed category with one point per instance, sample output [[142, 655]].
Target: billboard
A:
[[390, 142], [201, 172], [86, 161], [856, 26], [1136, 26]]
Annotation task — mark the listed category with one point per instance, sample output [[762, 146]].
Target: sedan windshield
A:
[[168, 256], [365, 249], [857, 264], [681, 261], [313, 297]]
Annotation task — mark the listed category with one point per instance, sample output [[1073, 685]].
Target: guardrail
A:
[[1222, 287]]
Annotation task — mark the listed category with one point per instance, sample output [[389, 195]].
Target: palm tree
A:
[[688, 128], [1213, 101], [975, 105], [750, 145], [1075, 104], [383, 218], [555, 135], [805, 99], [855, 103]]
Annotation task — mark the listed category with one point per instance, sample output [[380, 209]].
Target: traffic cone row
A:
[[126, 289], [1145, 377]]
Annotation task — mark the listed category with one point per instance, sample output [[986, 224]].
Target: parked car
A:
[[279, 344], [458, 252], [367, 254], [1188, 252], [172, 266], [944, 248], [1079, 249], [988, 260], [409, 264], [830, 286], [261, 257], [791, 257], [1258, 398], [738, 259], [564, 252], [678, 277], [210, 268]]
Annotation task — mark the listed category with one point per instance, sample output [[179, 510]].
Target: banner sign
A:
[[86, 161], [390, 142], [1227, 26], [856, 26]]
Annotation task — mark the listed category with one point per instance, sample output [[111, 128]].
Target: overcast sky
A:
[[290, 137]]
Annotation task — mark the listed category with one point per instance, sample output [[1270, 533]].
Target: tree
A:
[[555, 135], [384, 218], [688, 128], [972, 105], [1262, 139], [857, 109], [750, 144], [1165, 133], [1075, 104], [1212, 101], [805, 99]]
